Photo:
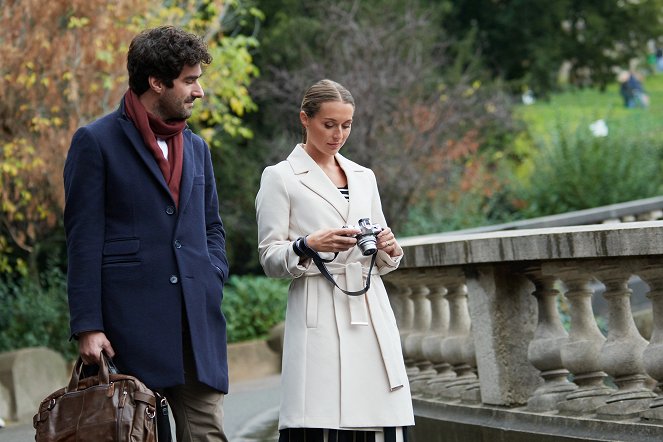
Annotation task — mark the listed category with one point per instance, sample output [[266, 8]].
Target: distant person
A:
[[632, 91], [343, 376]]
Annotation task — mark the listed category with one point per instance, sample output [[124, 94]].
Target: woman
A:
[[343, 376]]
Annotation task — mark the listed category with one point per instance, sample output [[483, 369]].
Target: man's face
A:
[[176, 103]]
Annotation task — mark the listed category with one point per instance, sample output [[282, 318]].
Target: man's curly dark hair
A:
[[162, 53]]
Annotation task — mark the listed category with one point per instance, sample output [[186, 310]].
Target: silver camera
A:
[[366, 239]]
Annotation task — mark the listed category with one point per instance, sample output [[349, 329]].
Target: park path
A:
[[250, 413]]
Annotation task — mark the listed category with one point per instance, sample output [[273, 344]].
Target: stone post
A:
[[503, 322]]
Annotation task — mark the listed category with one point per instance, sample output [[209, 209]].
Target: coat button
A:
[[178, 244], [173, 279], [170, 210]]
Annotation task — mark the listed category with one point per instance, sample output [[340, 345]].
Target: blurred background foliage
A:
[[441, 118]]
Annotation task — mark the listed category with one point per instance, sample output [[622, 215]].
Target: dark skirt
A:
[[317, 435]]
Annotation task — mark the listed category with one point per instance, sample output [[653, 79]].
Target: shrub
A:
[[253, 305], [34, 313], [576, 170]]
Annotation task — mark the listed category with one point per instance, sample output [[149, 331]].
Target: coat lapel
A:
[[312, 176], [361, 190], [186, 185], [143, 152]]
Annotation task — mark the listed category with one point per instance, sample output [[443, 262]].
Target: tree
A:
[[525, 42], [63, 64], [420, 112]]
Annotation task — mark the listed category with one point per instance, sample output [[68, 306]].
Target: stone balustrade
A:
[[489, 356]]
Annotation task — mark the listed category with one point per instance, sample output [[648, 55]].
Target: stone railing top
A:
[[647, 209], [590, 241]]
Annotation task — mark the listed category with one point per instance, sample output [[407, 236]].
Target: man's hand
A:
[[90, 345]]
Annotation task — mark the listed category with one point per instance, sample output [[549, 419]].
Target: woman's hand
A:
[[387, 242], [332, 240]]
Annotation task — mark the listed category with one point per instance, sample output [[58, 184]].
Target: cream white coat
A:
[[342, 361]]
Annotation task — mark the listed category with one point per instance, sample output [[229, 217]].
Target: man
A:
[[145, 242]]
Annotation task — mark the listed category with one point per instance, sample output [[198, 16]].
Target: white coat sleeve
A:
[[277, 257]]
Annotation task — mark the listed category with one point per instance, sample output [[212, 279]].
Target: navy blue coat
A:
[[136, 263]]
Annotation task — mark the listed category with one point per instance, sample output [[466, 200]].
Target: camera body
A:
[[366, 239]]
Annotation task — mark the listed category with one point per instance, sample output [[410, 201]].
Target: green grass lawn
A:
[[571, 109]]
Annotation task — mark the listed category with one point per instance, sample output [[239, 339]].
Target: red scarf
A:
[[152, 127]]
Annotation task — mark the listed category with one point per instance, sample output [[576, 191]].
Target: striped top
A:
[[345, 192]]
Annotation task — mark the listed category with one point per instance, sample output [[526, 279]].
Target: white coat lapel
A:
[[312, 176], [361, 190]]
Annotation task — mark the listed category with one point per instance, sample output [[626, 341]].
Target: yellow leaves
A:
[[63, 76], [105, 55], [26, 80], [237, 106], [476, 85], [77, 22], [207, 134]]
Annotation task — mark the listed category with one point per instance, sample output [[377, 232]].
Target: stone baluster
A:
[[413, 343], [544, 350], [621, 354], [430, 344], [453, 346], [652, 356], [440, 286], [580, 354], [403, 306]]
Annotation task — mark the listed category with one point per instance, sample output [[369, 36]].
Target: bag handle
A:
[[103, 375]]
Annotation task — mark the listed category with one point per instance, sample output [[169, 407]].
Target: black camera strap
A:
[[301, 248]]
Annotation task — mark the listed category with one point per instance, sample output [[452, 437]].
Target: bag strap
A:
[[301, 248], [163, 421]]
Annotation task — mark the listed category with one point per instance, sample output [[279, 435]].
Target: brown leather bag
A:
[[106, 407]]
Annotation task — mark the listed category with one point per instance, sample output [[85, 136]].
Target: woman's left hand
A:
[[387, 242]]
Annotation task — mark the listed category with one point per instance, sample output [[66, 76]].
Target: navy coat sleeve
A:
[[84, 225]]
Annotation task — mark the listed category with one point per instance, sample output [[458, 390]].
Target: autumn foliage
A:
[[61, 67], [63, 64]]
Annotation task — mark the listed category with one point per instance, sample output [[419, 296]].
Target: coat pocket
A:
[[121, 246], [124, 251]]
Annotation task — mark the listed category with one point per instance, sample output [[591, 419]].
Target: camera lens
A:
[[367, 244]]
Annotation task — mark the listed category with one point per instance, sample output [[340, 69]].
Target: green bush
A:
[[253, 305], [34, 313], [576, 170]]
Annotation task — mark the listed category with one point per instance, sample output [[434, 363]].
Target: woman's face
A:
[[327, 131]]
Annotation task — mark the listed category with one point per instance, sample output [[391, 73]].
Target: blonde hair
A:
[[322, 92]]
